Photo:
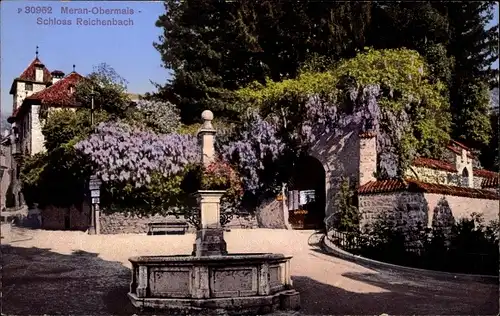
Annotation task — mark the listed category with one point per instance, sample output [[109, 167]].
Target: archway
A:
[[465, 177], [307, 195]]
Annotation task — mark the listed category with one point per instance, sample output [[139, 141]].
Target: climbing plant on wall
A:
[[387, 91]]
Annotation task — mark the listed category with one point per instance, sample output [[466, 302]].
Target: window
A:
[[29, 87], [71, 89], [465, 177]]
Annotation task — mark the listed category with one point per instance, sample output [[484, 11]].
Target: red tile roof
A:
[[490, 183], [29, 73], [485, 173], [57, 95], [457, 147], [410, 185], [455, 143], [434, 164]]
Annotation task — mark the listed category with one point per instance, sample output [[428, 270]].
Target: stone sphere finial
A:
[[207, 115]]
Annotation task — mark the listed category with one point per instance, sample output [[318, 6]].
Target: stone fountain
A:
[[210, 280]]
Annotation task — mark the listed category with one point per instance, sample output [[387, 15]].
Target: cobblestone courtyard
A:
[[63, 273]]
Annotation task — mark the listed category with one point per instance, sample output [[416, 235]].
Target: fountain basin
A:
[[229, 284]]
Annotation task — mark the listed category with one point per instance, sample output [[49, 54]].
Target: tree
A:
[[347, 216], [215, 47], [59, 175], [108, 89], [413, 25], [160, 117], [490, 155], [389, 88], [474, 48], [64, 125]]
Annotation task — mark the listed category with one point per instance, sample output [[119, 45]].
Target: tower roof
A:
[[57, 95], [29, 74]]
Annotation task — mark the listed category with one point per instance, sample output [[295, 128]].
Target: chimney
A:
[[367, 157], [39, 72], [56, 76]]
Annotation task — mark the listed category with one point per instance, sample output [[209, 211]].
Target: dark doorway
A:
[[306, 198], [66, 220]]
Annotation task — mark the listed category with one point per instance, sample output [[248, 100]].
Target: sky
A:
[[128, 49]]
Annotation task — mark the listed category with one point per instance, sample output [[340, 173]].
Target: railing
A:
[[415, 254], [345, 241]]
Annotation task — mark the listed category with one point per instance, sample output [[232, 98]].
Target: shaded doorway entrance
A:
[[67, 225], [306, 195]]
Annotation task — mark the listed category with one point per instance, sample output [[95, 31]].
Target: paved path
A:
[[62, 273]]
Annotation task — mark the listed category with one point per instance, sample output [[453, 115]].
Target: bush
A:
[[471, 247]]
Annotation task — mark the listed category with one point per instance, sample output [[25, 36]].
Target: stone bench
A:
[[169, 227]]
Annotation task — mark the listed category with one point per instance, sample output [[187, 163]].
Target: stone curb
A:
[[329, 247]]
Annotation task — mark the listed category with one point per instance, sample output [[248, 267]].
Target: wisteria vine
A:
[[122, 153]]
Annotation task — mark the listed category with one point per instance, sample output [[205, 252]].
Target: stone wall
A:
[[463, 206], [37, 138], [403, 208], [433, 176], [6, 162], [271, 215], [71, 218], [477, 182], [407, 209], [22, 93], [367, 159], [120, 223], [339, 155]]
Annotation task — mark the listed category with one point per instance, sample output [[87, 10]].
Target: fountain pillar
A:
[[211, 281], [210, 236]]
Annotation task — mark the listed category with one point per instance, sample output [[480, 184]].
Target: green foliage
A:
[[402, 74], [347, 215], [490, 155], [474, 46], [59, 176], [191, 129], [108, 89], [157, 197], [469, 247], [159, 117], [64, 125], [216, 47], [55, 178], [473, 116]]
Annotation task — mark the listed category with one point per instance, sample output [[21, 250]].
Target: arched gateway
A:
[[307, 195]]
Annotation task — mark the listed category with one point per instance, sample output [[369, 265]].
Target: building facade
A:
[[435, 192], [35, 93]]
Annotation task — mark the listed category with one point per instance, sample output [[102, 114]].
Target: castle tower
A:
[[34, 78], [367, 157]]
